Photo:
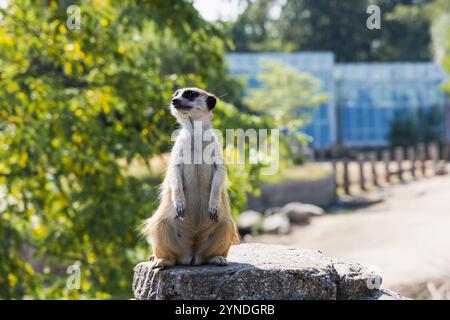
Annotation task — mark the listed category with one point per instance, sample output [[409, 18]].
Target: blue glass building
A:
[[369, 94], [362, 97], [319, 64]]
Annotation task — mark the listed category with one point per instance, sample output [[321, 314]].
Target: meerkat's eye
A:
[[190, 94], [176, 93]]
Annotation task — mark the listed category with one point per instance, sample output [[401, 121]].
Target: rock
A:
[[248, 220], [301, 212], [277, 223], [260, 271], [355, 280], [384, 294], [348, 201], [271, 211], [320, 192], [441, 168]]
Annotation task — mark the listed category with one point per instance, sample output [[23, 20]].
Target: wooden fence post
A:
[[373, 165], [412, 158], [334, 167], [422, 158], [346, 177], [362, 178], [399, 159], [387, 160], [434, 156], [447, 152]]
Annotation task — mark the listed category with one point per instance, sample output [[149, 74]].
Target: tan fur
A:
[[197, 238]]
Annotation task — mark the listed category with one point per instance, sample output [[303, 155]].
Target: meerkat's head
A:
[[192, 103]]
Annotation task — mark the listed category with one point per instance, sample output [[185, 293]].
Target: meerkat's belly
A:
[[197, 179]]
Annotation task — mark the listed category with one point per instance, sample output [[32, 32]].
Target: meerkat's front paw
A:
[[213, 214], [218, 260], [180, 209], [162, 263]]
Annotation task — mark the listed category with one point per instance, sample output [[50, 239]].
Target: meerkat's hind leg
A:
[[218, 260], [163, 263]]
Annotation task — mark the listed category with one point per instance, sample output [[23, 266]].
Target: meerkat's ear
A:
[[211, 102]]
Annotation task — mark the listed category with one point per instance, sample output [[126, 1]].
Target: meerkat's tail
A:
[[233, 233], [146, 227]]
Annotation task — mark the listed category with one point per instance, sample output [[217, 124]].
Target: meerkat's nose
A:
[[175, 101]]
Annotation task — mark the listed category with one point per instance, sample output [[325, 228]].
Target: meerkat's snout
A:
[[177, 104]]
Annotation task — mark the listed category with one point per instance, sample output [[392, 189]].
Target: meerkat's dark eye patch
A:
[[211, 102], [190, 94]]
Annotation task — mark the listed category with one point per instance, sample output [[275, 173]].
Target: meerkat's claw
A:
[[218, 260], [180, 211], [162, 263], [213, 214]]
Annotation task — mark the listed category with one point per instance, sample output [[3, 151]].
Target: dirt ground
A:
[[406, 238]]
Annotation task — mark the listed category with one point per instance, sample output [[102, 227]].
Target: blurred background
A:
[[360, 89]]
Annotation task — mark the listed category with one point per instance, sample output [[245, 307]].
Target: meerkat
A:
[[193, 224]]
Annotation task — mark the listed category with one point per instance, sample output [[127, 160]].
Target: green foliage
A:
[[289, 97], [252, 30], [338, 26], [76, 106], [440, 14], [412, 127], [405, 32], [242, 178]]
